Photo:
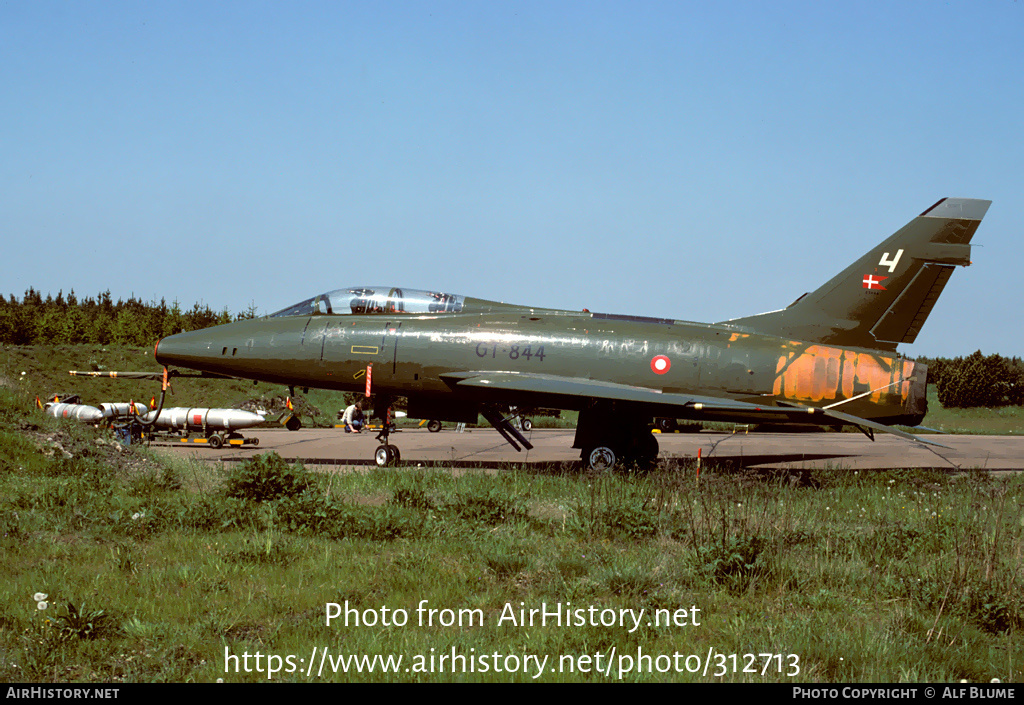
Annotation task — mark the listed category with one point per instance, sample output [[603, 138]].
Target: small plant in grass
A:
[[121, 553], [10, 525], [507, 562], [571, 567], [630, 580], [735, 563], [490, 508], [634, 521], [266, 549], [413, 498], [268, 477], [992, 611], [82, 623], [43, 646]]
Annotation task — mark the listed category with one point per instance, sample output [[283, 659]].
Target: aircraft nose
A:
[[181, 349], [163, 351]]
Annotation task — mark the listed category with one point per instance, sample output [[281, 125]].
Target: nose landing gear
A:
[[386, 455]]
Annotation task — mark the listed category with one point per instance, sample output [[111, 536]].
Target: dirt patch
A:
[[126, 462]]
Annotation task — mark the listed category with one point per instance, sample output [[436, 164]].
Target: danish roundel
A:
[[660, 364]]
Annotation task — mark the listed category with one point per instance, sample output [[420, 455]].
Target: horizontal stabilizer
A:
[[864, 423]]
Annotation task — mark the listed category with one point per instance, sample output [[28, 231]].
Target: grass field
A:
[[156, 572], [160, 571], [996, 422]]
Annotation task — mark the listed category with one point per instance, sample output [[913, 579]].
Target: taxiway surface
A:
[[483, 447]]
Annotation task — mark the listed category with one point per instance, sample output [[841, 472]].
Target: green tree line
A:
[[977, 380], [68, 320]]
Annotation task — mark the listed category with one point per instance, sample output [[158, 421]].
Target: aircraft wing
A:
[[565, 392], [561, 387]]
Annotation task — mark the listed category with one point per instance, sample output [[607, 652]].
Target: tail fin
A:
[[883, 298]]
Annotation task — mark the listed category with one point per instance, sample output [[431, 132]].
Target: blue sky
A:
[[700, 161]]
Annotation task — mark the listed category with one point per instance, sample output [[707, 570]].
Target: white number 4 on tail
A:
[[890, 263]]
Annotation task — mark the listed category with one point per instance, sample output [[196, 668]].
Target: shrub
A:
[[977, 380], [268, 477]]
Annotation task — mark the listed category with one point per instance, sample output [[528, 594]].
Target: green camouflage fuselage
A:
[[411, 353]]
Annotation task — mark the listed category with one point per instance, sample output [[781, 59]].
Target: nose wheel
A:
[[387, 456]]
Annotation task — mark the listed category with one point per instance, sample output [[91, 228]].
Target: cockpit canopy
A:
[[375, 300]]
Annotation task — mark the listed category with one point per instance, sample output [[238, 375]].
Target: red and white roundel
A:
[[660, 364]]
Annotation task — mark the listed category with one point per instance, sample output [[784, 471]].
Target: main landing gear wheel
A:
[[601, 459], [647, 451], [615, 436], [527, 425], [434, 426], [387, 455]]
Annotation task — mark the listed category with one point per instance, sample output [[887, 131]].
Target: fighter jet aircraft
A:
[[828, 358]]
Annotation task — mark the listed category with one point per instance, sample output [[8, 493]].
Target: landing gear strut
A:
[[386, 454], [610, 435], [503, 425]]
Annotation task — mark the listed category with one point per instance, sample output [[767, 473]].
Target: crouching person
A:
[[352, 419]]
